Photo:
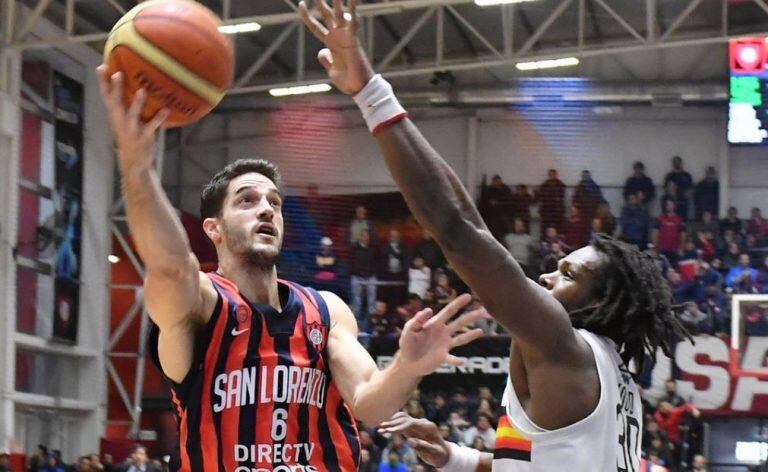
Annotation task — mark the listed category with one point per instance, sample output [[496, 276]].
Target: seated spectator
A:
[[444, 292], [752, 247], [640, 185], [673, 195], [437, 410], [634, 223], [669, 232], [485, 393], [483, 428], [367, 444], [549, 261], [755, 323], [393, 463], [398, 446], [139, 461], [706, 197], [414, 409], [5, 462], [688, 250], [520, 204], [519, 243], [550, 237], [715, 305], [485, 407], [604, 214], [51, 464], [699, 463], [705, 243], [707, 224], [479, 444], [447, 433], [697, 321], [764, 275], [732, 221], [662, 451], [414, 305], [83, 464], [325, 276], [757, 225], [576, 229], [419, 277], [587, 196], [731, 257], [366, 464], [742, 273], [384, 325]]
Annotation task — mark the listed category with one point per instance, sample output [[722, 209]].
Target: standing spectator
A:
[[83, 464], [360, 223], [757, 225], [696, 320], [680, 177], [732, 222], [518, 243], [669, 232], [742, 274], [635, 223], [640, 185], [39, 458], [428, 250], [551, 199], [673, 194], [483, 428], [393, 464], [587, 196], [706, 197], [494, 206], [362, 269], [367, 444], [670, 418], [384, 325], [398, 446], [419, 277], [51, 464], [576, 229], [520, 204], [415, 304], [394, 269]]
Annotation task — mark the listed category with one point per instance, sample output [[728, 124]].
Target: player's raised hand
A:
[[342, 57], [135, 139], [427, 339], [423, 436]]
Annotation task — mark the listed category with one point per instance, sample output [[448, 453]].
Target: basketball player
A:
[[265, 374], [575, 333]]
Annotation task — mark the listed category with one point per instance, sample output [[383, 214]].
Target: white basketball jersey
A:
[[607, 440]]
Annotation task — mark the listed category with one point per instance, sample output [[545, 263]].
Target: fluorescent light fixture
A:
[[249, 27], [113, 259], [488, 3], [548, 64], [299, 90]]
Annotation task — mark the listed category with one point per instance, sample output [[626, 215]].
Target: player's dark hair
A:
[[213, 194], [636, 309]]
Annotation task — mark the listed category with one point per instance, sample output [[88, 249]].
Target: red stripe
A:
[[386, 124], [208, 438], [264, 411], [230, 417], [183, 434], [343, 451]]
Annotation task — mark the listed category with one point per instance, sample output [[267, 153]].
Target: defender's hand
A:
[[423, 436]]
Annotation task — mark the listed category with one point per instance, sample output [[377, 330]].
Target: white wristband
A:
[[378, 104], [461, 459]]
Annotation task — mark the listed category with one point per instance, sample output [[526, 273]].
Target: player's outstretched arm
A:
[[374, 395], [439, 201], [172, 282], [424, 437]]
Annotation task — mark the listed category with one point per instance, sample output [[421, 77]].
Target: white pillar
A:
[[470, 176], [724, 169]]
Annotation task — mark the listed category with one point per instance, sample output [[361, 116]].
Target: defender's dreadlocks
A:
[[636, 310]]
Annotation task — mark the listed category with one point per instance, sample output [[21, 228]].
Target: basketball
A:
[[174, 50]]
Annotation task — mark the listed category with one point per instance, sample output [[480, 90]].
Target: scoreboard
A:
[[748, 105]]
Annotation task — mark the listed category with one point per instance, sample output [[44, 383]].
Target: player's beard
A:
[[242, 245]]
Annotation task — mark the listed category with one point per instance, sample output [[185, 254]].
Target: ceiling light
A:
[[299, 90], [240, 28], [113, 259], [548, 64], [487, 3]]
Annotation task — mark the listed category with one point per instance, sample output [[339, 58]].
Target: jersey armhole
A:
[[202, 339]]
